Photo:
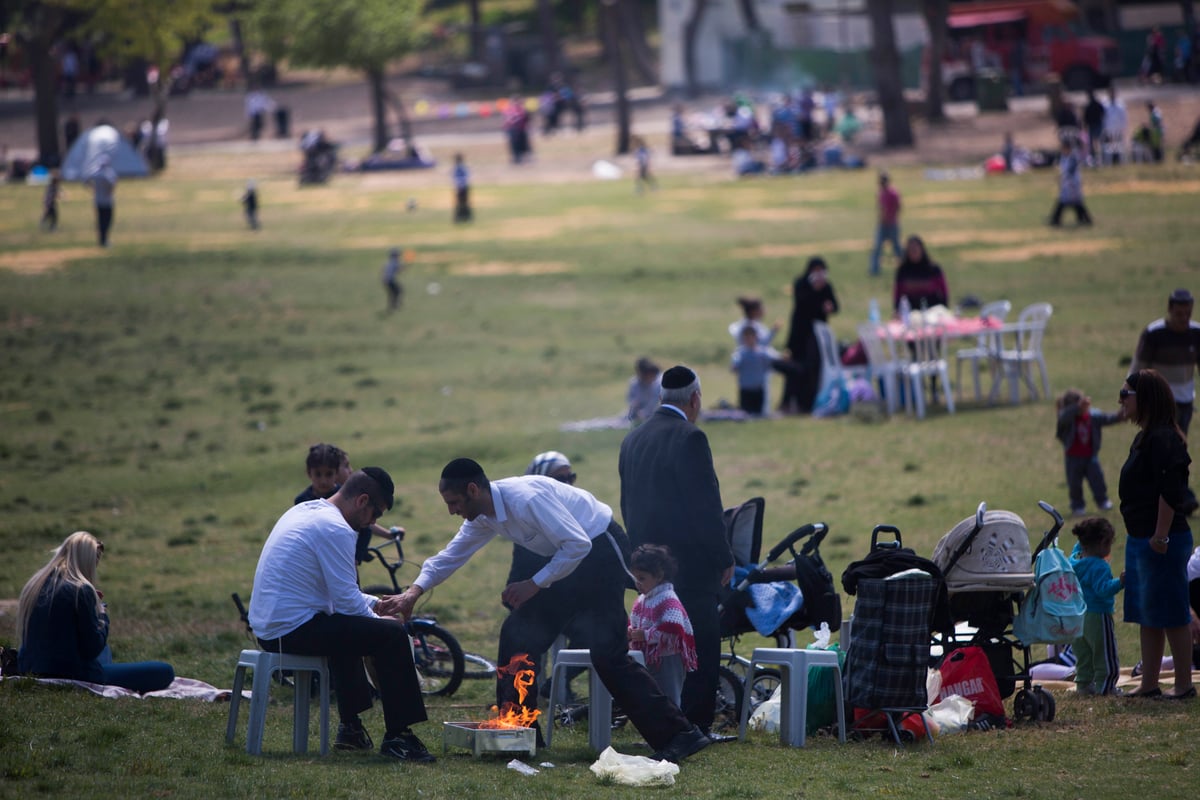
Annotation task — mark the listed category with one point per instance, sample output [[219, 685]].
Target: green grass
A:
[[162, 394]]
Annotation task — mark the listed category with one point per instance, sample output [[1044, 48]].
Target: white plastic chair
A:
[[264, 665], [929, 362], [1015, 364], [884, 363], [599, 699], [987, 346], [831, 365]]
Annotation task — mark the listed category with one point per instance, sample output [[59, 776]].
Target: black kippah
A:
[[462, 469], [678, 377], [384, 481]]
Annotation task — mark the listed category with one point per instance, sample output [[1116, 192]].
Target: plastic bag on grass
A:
[[634, 770]]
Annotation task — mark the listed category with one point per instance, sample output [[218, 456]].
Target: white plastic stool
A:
[[265, 665], [793, 717], [599, 699]]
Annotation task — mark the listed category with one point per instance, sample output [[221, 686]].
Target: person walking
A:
[[670, 496], [462, 190], [103, 180], [1070, 185], [391, 279], [888, 227]]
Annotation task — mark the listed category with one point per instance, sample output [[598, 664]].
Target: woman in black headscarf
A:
[[813, 301], [919, 278]]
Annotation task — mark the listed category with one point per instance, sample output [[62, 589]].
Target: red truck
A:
[[1042, 36]]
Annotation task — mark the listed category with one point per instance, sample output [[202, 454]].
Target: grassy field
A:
[[162, 394]]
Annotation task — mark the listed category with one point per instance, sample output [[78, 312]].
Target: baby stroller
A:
[[762, 595], [988, 569]]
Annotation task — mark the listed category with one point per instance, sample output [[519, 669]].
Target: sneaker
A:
[[353, 737], [1106, 505], [405, 746]]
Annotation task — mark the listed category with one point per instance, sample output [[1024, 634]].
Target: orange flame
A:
[[515, 715]]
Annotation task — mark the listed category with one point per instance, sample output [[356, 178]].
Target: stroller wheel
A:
[[1045, 703], [1025, 706], [728, 702]]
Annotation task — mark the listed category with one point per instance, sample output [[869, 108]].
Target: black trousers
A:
[[104, 219], [1081, 213], [700, 686], [593, 598], [345, 641], [462, 204]]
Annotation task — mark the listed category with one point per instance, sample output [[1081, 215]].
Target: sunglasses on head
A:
[[1128, 393]]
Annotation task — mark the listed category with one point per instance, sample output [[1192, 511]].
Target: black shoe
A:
[[1185, 695], [406, 746], [353, 737], [682, 745]]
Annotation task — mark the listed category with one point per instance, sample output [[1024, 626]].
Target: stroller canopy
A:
[[996, 558]]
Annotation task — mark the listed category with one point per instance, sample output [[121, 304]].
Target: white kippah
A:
[[547, 462]]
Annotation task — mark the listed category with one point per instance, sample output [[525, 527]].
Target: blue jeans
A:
[[885, 233]]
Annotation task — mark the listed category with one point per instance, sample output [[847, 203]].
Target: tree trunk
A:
[[897, 132], [375, 80], [690, 29], [476, 17], [749, 15], [239, 49], [402, 120], [45, 100], [612, 48], [549, 36], [1189, 17], [936, 12], [634, 33]]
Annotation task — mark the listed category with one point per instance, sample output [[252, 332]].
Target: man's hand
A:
[[515, 594], [398, 605]]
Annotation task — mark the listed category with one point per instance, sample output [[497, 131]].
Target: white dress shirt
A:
[[307, 567], [541, 514]]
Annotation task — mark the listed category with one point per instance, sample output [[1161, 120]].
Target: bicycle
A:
[[441, 662]]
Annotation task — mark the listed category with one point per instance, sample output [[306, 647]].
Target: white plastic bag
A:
[[634, 770], [766, 717], [951, 715]]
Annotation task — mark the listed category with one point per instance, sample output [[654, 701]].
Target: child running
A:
[[658, 624], [1079, 431], [1097, 666]]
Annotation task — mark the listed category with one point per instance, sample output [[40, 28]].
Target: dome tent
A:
[[103, 139]]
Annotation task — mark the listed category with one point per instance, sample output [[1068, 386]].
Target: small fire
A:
[[515, 715]]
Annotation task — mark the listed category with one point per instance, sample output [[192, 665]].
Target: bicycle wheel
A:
[[379, 590], [438, 658], [476, 667], [728, 701], [766, 681]]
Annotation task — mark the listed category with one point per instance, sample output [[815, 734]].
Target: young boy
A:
[[328, 468], [250, 204], [1097, 666], [391, 279], [1078, 429], [752, 362], [644, 390], [462, 190]]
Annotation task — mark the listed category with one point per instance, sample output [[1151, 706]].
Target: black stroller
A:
[[988, 569], [821, 602]]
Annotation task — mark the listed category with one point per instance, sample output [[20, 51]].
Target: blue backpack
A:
[[1052, 611]]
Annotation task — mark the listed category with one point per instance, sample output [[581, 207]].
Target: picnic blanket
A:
[[180, 688]]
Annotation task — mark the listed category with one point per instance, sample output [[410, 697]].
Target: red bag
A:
[[967, 672]]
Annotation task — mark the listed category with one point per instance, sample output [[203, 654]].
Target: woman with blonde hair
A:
[[62, 623]]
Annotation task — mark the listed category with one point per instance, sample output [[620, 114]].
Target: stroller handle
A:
[[1050, 535], [979, 512], [816, 530]]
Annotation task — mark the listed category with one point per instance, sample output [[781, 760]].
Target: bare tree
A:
[[691, 29], [633, 31], [610, 26], [549, 34], [897, 131], [935, 12]]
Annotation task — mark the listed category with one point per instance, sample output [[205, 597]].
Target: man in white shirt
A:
[[1116, 123], [306, 601], [583, 584]]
